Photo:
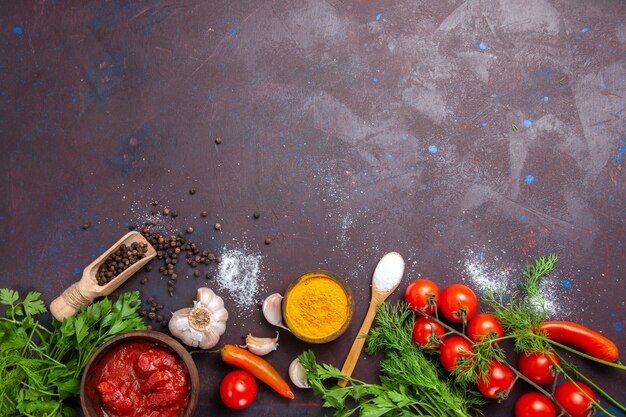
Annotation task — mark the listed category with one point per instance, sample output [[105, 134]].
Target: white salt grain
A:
[[388, 272], [238, 274]]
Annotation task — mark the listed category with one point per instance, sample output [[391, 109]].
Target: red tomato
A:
[[427, 333], [453, 349], [238, 389], [458, 303], [534, 404], [483, 326], [422, 294], [538, 367], [498, 381], [573, 400]]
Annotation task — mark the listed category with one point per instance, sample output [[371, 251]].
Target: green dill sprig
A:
[[411, 384], [525, 310]]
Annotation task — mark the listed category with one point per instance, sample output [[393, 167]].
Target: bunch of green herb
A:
[[410, 383], [41, 367]]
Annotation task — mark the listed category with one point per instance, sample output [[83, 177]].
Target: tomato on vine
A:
[[538, 367], [497, 382], [534, 404], [427, 333], [572, 399], [458, 303], [484, 326], [453, 351], [422, 294]]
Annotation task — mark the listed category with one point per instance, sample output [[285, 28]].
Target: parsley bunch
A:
[[41, 367]]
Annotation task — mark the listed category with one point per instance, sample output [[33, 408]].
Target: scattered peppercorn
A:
[[204, 214], [142, 281], [86, 226], [268, 241], [218, 140], [190, 229], [192, 191], [148, 268], [256, 215], [166, 211], [196, 274], [218, 259], [174, 214], [217, 226], [155, 203]]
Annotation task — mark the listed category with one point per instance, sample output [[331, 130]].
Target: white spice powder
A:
[[239, 275], [388, 272]]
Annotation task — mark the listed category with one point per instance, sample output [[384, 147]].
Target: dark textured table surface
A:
[[468, 136]]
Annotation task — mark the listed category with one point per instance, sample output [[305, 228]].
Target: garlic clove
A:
[[261, 345], [273, 310], [297, 374], [209, 340], [203, 324]]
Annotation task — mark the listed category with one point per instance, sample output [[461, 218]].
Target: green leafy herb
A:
[[40, 367], [411, 384], [522, 315]]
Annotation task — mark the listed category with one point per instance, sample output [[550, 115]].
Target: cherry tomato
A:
[[538, 367], [573, 400], [534, 404], [483, 326], [453, 350], [498, 381], [427, 333], [458, 303], [422, 294], [238, 389]]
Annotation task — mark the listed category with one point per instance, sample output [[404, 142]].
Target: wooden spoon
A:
[[83, 292], [385, 280]]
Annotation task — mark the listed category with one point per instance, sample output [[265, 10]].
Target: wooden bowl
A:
[[335, 334], [89, 398]]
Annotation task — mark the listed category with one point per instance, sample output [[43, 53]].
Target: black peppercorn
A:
[[192, 191]]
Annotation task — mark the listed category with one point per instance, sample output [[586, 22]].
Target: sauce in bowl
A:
[[141, 379]]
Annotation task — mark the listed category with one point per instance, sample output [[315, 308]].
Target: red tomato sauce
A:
[[141, 379]]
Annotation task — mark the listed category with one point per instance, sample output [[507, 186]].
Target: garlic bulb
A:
[[297, 374], [204, 323], [273, 310], [261, 345]]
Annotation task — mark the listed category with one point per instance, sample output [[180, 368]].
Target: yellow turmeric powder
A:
[[317, 307]]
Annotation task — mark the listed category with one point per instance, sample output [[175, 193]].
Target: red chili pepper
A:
[[581, 338], [258, 367]]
